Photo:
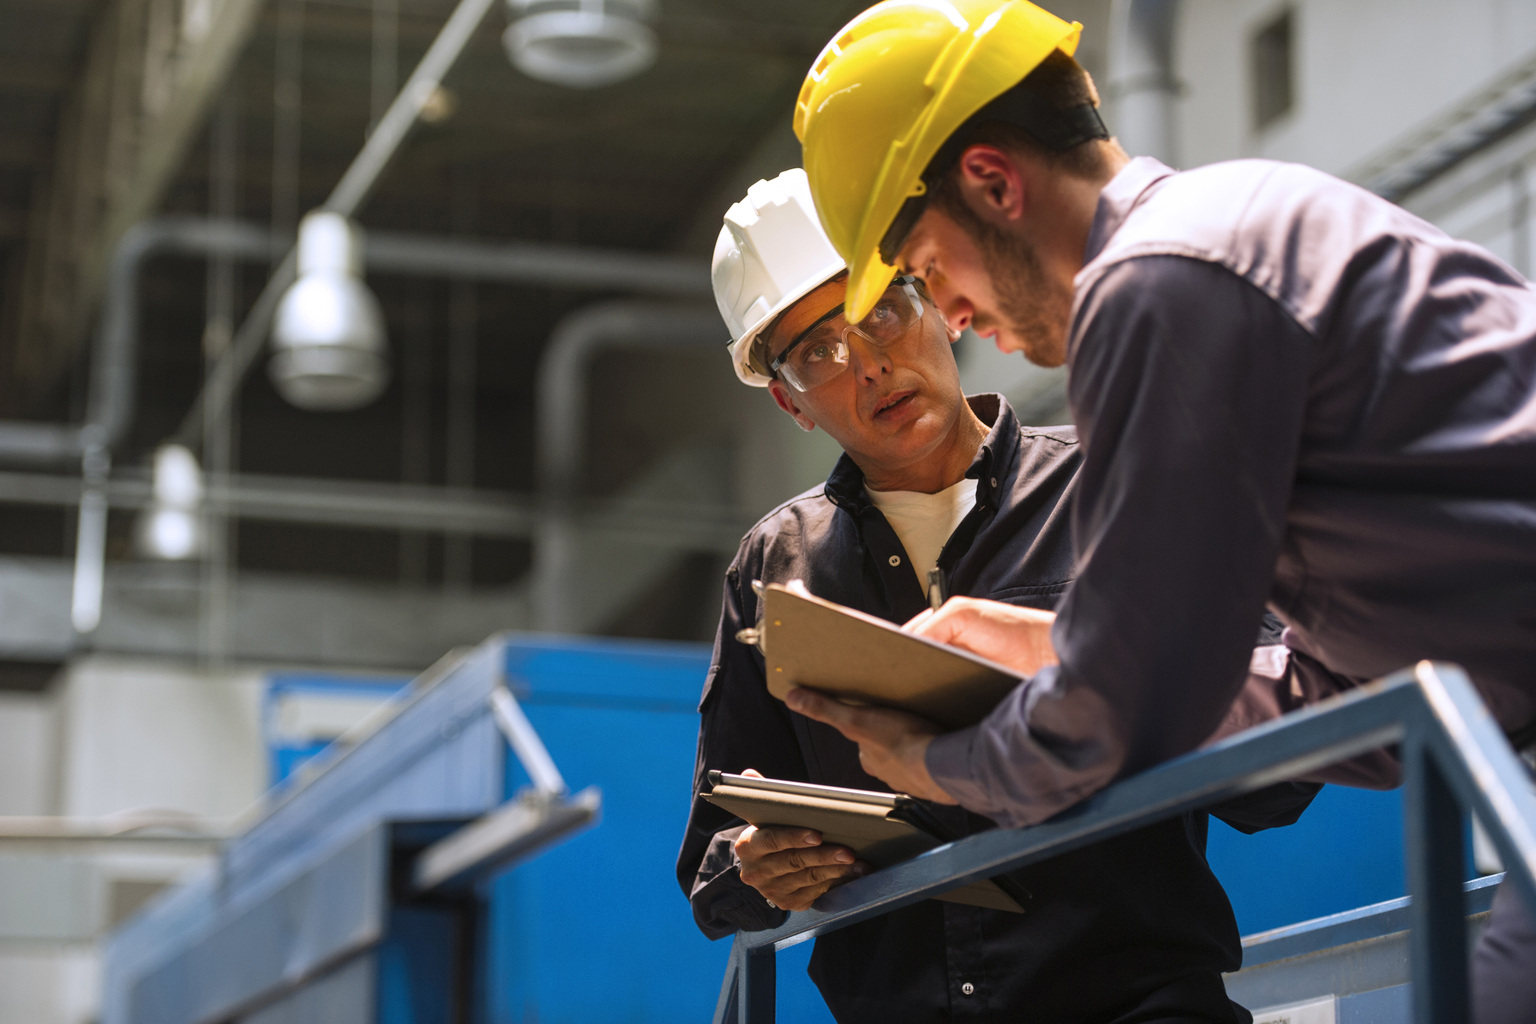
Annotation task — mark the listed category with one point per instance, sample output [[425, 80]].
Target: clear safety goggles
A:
[[820, 352]]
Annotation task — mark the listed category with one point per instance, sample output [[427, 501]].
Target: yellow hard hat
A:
[[887, 92]]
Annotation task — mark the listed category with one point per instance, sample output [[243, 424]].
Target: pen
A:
[[935, 588]]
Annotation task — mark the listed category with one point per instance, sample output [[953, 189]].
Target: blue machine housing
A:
[[308, 916]]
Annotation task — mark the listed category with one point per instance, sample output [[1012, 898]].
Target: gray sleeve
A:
[[1188, 386]]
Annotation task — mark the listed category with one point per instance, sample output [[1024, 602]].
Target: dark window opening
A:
[[1272, 55]]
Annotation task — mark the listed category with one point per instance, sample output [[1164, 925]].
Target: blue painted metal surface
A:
[[551, 941], [285, 754], [266, 917], [1457, 757], [622, 716], [1360, 957], [1345, 852]]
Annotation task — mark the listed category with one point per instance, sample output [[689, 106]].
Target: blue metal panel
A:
[[343, 996], [285, 755], [420, 966], [1345, 852], [1384, 1006], [441, 757], [597, 929], [324, 915]]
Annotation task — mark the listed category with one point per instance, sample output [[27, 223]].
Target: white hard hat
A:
[[771, 253]]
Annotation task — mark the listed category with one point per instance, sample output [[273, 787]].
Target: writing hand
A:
[[1018, 638]]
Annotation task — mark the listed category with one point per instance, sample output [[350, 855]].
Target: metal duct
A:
[[113, 381], [1142, 87], [113, 368], [562, 416]]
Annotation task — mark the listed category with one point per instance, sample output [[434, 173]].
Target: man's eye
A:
[[816, 351]]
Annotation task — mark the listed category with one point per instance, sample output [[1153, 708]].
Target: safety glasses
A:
[[820, 352]]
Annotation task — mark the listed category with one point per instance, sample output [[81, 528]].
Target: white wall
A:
[[109, 735], [1368, 73], [28, 749], [143, 734]]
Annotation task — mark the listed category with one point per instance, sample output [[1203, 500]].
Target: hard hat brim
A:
[[981, 64], [741, 350]]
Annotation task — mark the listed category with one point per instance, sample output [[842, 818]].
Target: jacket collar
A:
[[994, 459], [1119, 198]]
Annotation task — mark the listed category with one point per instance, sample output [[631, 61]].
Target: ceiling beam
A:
[[152, 70]]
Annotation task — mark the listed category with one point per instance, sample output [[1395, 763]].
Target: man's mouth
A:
[[893, 400]]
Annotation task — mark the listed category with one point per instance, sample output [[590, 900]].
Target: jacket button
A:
[[968, 989], [993, 481], [895, 560]]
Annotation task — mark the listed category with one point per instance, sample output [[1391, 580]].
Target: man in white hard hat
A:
[[1136, 928]]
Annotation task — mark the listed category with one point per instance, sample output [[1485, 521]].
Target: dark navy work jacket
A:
[[1133, 928]]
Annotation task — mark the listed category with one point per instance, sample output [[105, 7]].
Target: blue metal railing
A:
[[1455, 759]]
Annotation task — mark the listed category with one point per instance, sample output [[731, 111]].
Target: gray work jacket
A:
[[1287, 391]]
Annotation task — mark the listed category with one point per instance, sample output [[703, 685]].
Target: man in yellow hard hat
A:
[[1288, 391]]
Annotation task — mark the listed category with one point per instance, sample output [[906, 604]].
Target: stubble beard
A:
[[1030, 306]]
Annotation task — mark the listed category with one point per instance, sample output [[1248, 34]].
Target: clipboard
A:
[[860, 659], [881, 828]]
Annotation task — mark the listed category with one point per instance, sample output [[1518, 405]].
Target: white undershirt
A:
[[924, 522]]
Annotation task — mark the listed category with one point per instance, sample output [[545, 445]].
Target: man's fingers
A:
[[779, 874], [1017, 637], [816, 875], [761, 842], [840, 716], [914, 624], [943, 625], [802, 898], [859, 724]]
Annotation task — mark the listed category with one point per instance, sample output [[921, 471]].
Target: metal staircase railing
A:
[[1455, 759]]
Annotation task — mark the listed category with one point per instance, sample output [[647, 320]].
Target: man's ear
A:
[[992, 184], [781, 396]]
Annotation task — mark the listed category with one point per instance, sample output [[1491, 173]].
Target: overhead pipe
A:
[[561, 410], [1142, 86], [113, 372], [357, 181], [113, 383]]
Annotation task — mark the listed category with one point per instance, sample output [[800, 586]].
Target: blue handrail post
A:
[[747, 994], [725, 1007], [756, 988], [1432, 821]]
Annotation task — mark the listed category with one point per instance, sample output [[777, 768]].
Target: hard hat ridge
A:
[[887, 92], [770, 253]]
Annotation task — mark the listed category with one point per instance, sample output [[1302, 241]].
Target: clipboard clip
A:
[[754, 634]]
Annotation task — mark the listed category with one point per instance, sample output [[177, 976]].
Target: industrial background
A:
[[218, 556]]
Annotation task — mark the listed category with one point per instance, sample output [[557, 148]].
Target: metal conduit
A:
[[113, 380], [113, 367], [562, 416]]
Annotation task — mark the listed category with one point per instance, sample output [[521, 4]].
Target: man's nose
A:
[[955, 310], [869, 361]]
